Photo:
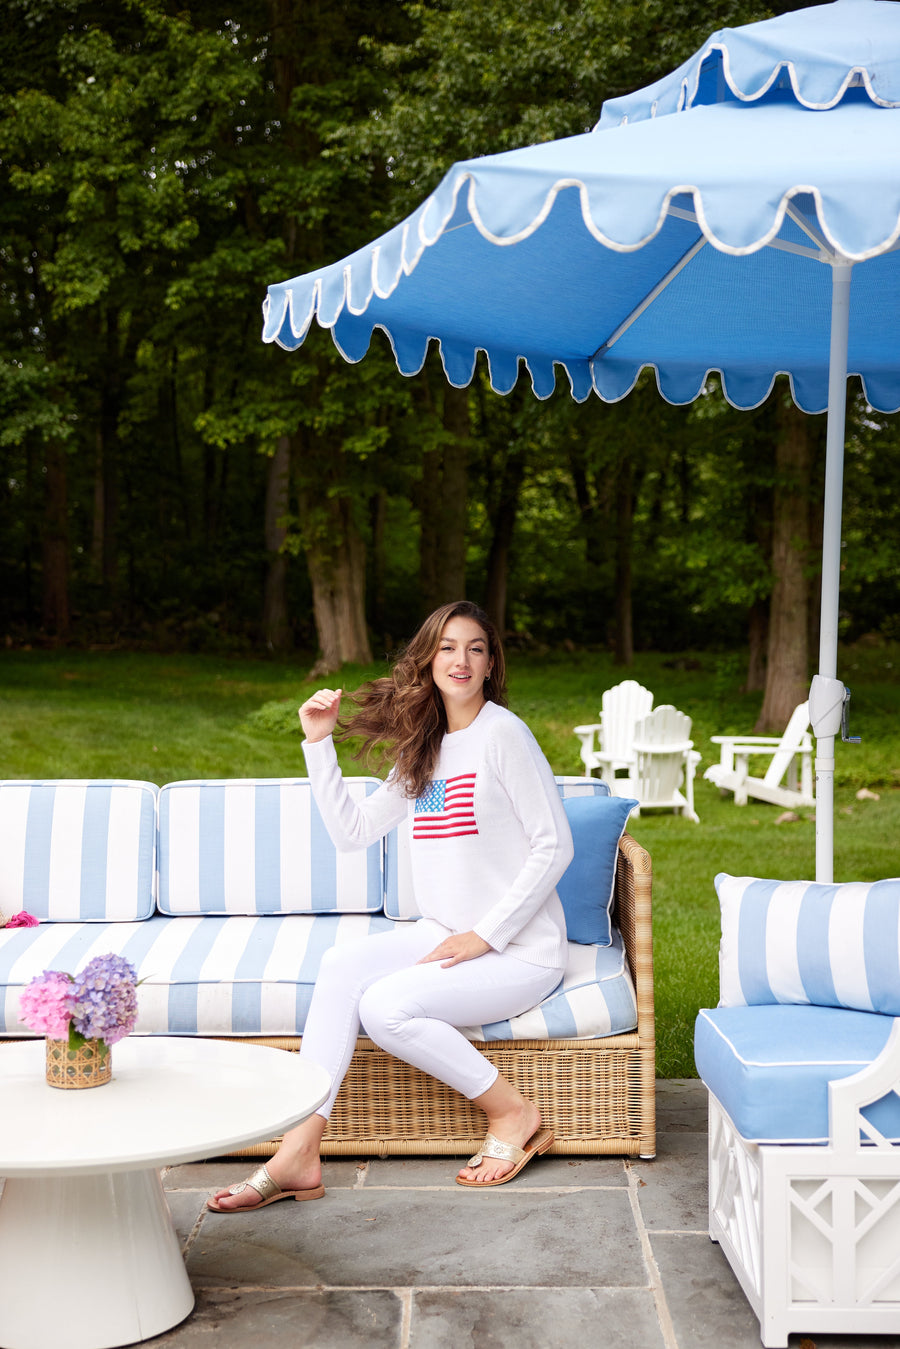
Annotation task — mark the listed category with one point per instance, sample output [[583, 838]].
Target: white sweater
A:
[[489, 838]]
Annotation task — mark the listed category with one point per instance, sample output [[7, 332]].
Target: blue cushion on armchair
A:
[[586, 887]]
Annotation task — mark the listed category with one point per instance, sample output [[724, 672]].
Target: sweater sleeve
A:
[[350, 824], [515, 757]]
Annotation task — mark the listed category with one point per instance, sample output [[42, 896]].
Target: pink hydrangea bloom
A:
[[22, 919], [44, 1004]]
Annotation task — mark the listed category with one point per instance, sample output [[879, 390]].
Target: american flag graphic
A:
[[446, 809]]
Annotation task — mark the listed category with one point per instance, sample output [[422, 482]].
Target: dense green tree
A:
[[167, 476]]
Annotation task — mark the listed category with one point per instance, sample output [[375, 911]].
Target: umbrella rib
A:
[[782, 244], [809, 230], [650, 297]]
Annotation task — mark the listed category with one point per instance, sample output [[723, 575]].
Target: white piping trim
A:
[[856, 76]]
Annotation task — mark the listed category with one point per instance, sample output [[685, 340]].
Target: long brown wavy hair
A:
[[400, 717]]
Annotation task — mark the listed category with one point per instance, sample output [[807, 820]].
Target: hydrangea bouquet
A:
[[100, 1003]]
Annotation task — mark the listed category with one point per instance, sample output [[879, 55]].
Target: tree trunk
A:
[[430, 529], [379, 522], [454, 484], [276, 623], [624, 635], [443, 506], [787, 666], [338, 579], [504, 524], [757, 634], [97, 525], [55, 544], [590, 509], [108, 472], [816, 529]]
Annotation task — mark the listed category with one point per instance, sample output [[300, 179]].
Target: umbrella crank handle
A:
[[845, 721], [829, 708]]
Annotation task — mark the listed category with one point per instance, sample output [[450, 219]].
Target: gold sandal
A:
[[537, 1144], [269, 1192]]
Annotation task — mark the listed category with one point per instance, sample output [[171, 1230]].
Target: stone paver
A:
[[407, 1238]]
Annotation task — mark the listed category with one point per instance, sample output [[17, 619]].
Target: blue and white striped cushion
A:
[[250, 846], [804, 942], [595, 997], [73, 850], [399, 897], [205, 975], [248, 975]]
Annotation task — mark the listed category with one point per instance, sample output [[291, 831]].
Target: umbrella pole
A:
[[825, 730]]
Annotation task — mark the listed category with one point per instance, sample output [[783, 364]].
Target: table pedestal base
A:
[[91, 1262]]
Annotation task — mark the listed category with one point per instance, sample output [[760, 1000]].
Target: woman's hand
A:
[[319, 714], [461, 946]]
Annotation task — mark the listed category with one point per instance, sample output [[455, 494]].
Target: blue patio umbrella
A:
[[740, 215]]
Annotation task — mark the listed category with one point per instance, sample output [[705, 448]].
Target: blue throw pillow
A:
[[586, 888]]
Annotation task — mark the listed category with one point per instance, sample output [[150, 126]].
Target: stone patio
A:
[[576, 1252]]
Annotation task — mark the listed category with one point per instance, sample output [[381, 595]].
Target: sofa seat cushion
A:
[[200, 975], [78, 851], [769, 1067], [595, 998], [244, 975], [252, 846]]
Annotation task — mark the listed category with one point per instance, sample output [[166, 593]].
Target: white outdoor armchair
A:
[[781, 784], [665, 762], [607, 746]]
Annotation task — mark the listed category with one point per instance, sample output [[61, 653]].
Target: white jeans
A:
[[413, 1010]]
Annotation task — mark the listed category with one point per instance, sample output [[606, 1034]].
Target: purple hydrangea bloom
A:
[[103, 999]]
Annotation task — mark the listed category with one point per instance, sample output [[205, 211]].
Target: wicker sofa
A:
[[224, 895]]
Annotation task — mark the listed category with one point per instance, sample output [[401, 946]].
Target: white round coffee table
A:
[[89, 1257]]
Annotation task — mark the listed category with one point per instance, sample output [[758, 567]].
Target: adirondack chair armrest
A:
[[739, 748], [761, 740], [736, 750], [672, 747], [587, 730]]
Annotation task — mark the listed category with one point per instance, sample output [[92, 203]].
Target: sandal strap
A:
[[260, 1181], [501, 1152]]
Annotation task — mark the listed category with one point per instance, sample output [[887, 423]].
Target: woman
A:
[[489, 840]]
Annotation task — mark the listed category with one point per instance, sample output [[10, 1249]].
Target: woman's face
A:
[[459, 668]]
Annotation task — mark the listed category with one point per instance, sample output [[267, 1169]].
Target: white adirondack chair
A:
[[780, 784], [608, 745], [666, 762]]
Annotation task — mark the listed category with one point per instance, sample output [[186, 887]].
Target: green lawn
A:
[[161, 718]]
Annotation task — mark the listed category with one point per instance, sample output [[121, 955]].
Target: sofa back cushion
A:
[[806, 942], [399, 899], [259, 845], [78, 851]]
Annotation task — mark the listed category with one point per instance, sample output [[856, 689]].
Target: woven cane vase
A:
[[90, 1065]]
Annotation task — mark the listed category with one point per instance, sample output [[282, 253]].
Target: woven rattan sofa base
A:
[[599, 1095], [590, 1091]]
